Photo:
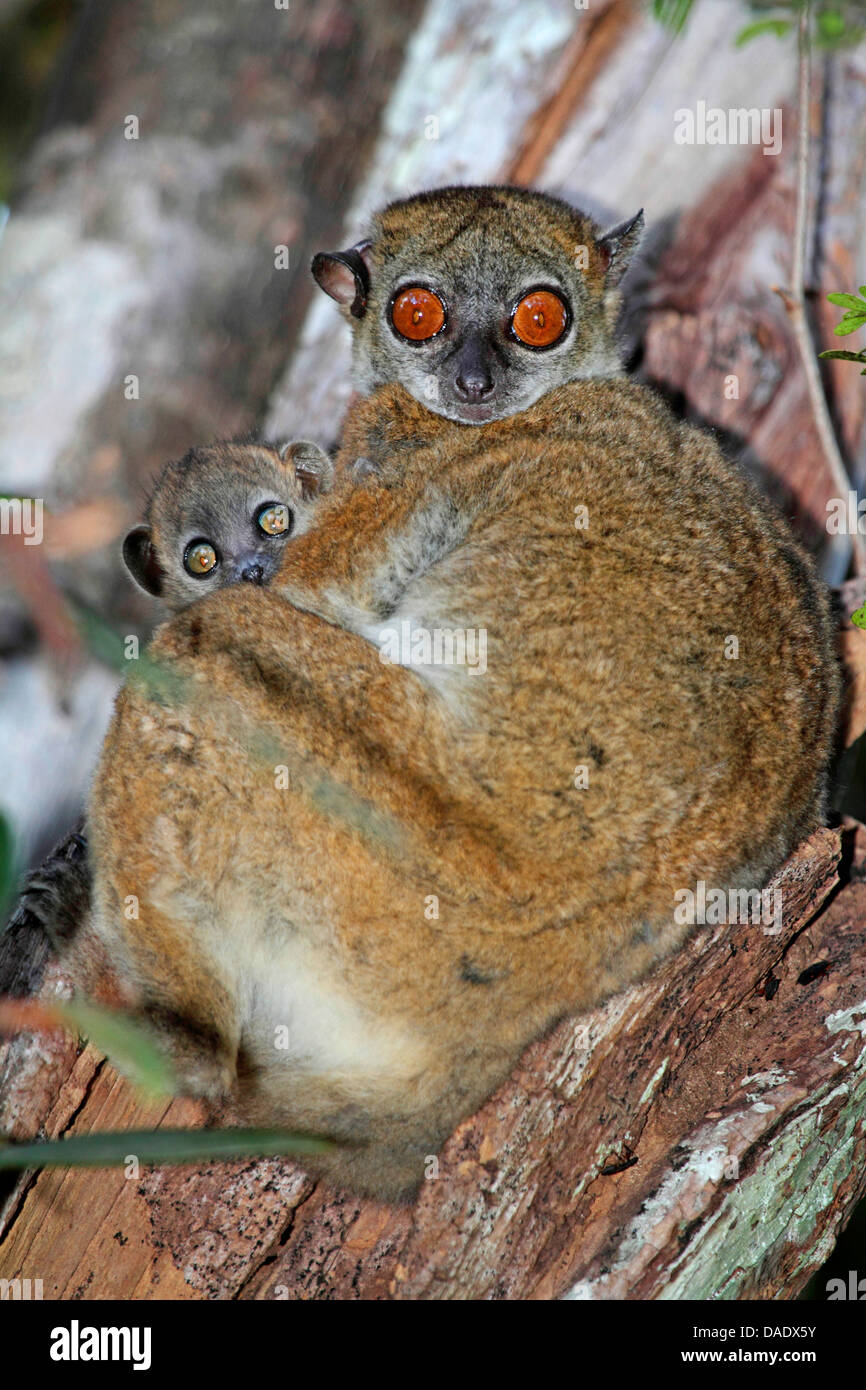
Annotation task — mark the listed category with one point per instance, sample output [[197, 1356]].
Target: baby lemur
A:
[[221, 515], [455, 860]]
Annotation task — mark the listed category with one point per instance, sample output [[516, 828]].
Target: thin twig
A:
[[795, 299]]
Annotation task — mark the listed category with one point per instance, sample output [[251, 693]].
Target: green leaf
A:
[[673, 13], [848, 301], [124, 1041], [863, 291], [844, 356], [157, 1146], [849, 324], [831, 25], [8, 870], [101, 639], [779, 27], [157, 679]]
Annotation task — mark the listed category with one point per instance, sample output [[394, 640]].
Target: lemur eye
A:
[[200, 558], [274, 518], [418, 314], [540, 319]]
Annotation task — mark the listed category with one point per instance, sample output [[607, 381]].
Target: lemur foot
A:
[[56, 895]]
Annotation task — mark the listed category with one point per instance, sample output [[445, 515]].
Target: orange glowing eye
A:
[[540, 319], [418, 314]]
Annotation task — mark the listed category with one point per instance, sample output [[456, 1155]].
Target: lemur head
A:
[[481, 300], [222, 515]]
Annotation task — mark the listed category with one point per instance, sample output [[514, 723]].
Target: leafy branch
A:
[[795, 299], [836, 24], [113, 1148], [127, 1043], [132, 1049], [853, 319]]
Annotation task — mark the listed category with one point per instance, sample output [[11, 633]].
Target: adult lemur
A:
[[364, 886]]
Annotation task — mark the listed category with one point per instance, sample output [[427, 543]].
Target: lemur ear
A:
[[140, 559], [345, 275], [314, 469], [619, 245]]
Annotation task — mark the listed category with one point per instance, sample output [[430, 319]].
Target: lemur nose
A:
[[473, 380], [253, 574], [474, 386]]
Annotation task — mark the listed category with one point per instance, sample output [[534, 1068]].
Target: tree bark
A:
[[698, 1137]]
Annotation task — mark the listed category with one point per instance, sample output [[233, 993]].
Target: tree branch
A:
[[795, 298]]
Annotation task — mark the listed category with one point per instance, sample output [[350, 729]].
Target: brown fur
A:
[[606, 648]]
